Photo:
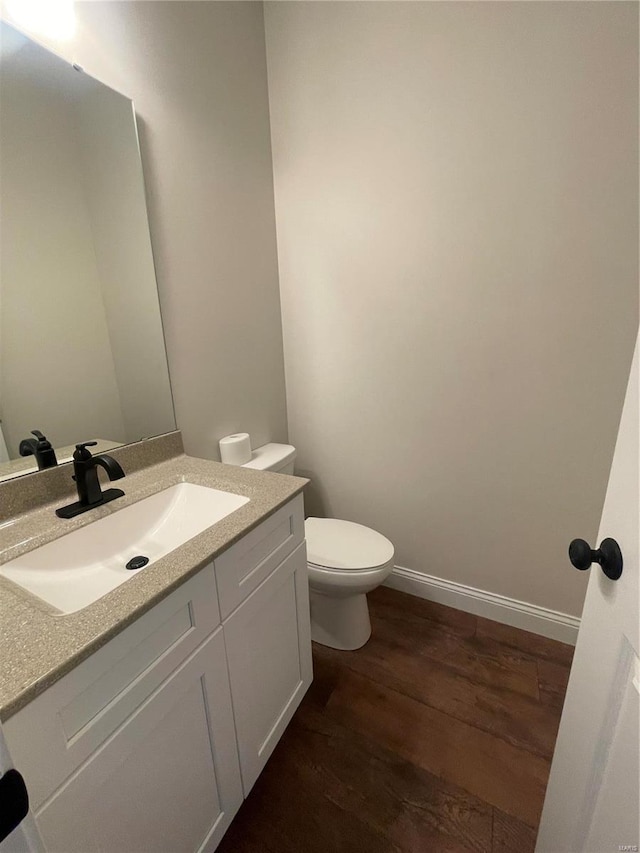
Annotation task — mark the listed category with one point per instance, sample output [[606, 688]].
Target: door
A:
[[25, 838], [268, 642], [592, 799], [166, 781]]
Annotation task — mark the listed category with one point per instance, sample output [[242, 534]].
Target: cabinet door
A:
[[78, 714], [268, 641], [167, 781]]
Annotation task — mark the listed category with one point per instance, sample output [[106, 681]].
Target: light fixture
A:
[[54, 19]]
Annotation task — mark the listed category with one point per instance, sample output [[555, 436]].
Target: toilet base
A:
[[340, 623]]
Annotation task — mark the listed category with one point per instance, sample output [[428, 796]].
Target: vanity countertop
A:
[[39, 645]]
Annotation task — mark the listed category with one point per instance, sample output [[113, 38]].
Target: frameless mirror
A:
[[82, 353]]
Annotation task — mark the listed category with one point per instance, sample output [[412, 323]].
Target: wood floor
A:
[[436, 736]]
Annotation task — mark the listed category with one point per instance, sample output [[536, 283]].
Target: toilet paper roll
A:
[[235, 449]]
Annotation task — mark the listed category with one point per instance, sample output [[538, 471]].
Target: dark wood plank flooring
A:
[[437, 736]]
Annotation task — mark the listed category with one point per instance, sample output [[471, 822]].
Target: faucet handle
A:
[[43, 441], [81, 453]]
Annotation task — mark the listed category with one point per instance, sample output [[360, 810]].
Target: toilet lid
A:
[[336, 544]]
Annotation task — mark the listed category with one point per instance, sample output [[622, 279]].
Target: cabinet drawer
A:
[[60, 729], [246, 564]]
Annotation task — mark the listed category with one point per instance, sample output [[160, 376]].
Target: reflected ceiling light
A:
[[50, 18]]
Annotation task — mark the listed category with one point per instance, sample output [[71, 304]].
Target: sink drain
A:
[[137, 562]]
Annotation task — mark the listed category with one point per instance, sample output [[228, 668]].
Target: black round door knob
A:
[[608, 556]]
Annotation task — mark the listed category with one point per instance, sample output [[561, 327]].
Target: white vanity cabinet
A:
[[167, 780], [151, 743]]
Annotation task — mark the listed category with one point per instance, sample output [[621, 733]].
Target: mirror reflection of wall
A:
[[82, 353]]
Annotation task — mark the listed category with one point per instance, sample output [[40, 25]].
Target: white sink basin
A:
[[79, 568]]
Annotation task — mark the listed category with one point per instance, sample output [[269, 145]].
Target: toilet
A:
[[345, 561]]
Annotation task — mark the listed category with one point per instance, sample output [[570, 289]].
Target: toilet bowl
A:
[[345, 561]]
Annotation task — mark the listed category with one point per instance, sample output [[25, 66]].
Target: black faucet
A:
[[39, 447], [85, 473]]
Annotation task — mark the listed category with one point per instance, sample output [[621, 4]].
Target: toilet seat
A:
[[344, 546]]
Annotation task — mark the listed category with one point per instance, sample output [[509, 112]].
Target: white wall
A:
[[55, 343], [456, 203], [197, 74]]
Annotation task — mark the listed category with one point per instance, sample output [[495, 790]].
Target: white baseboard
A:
[[509, 611]]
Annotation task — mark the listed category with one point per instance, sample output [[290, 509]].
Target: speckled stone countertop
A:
[[38, 644]]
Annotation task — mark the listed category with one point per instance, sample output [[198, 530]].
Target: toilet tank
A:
[[278, 458]]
